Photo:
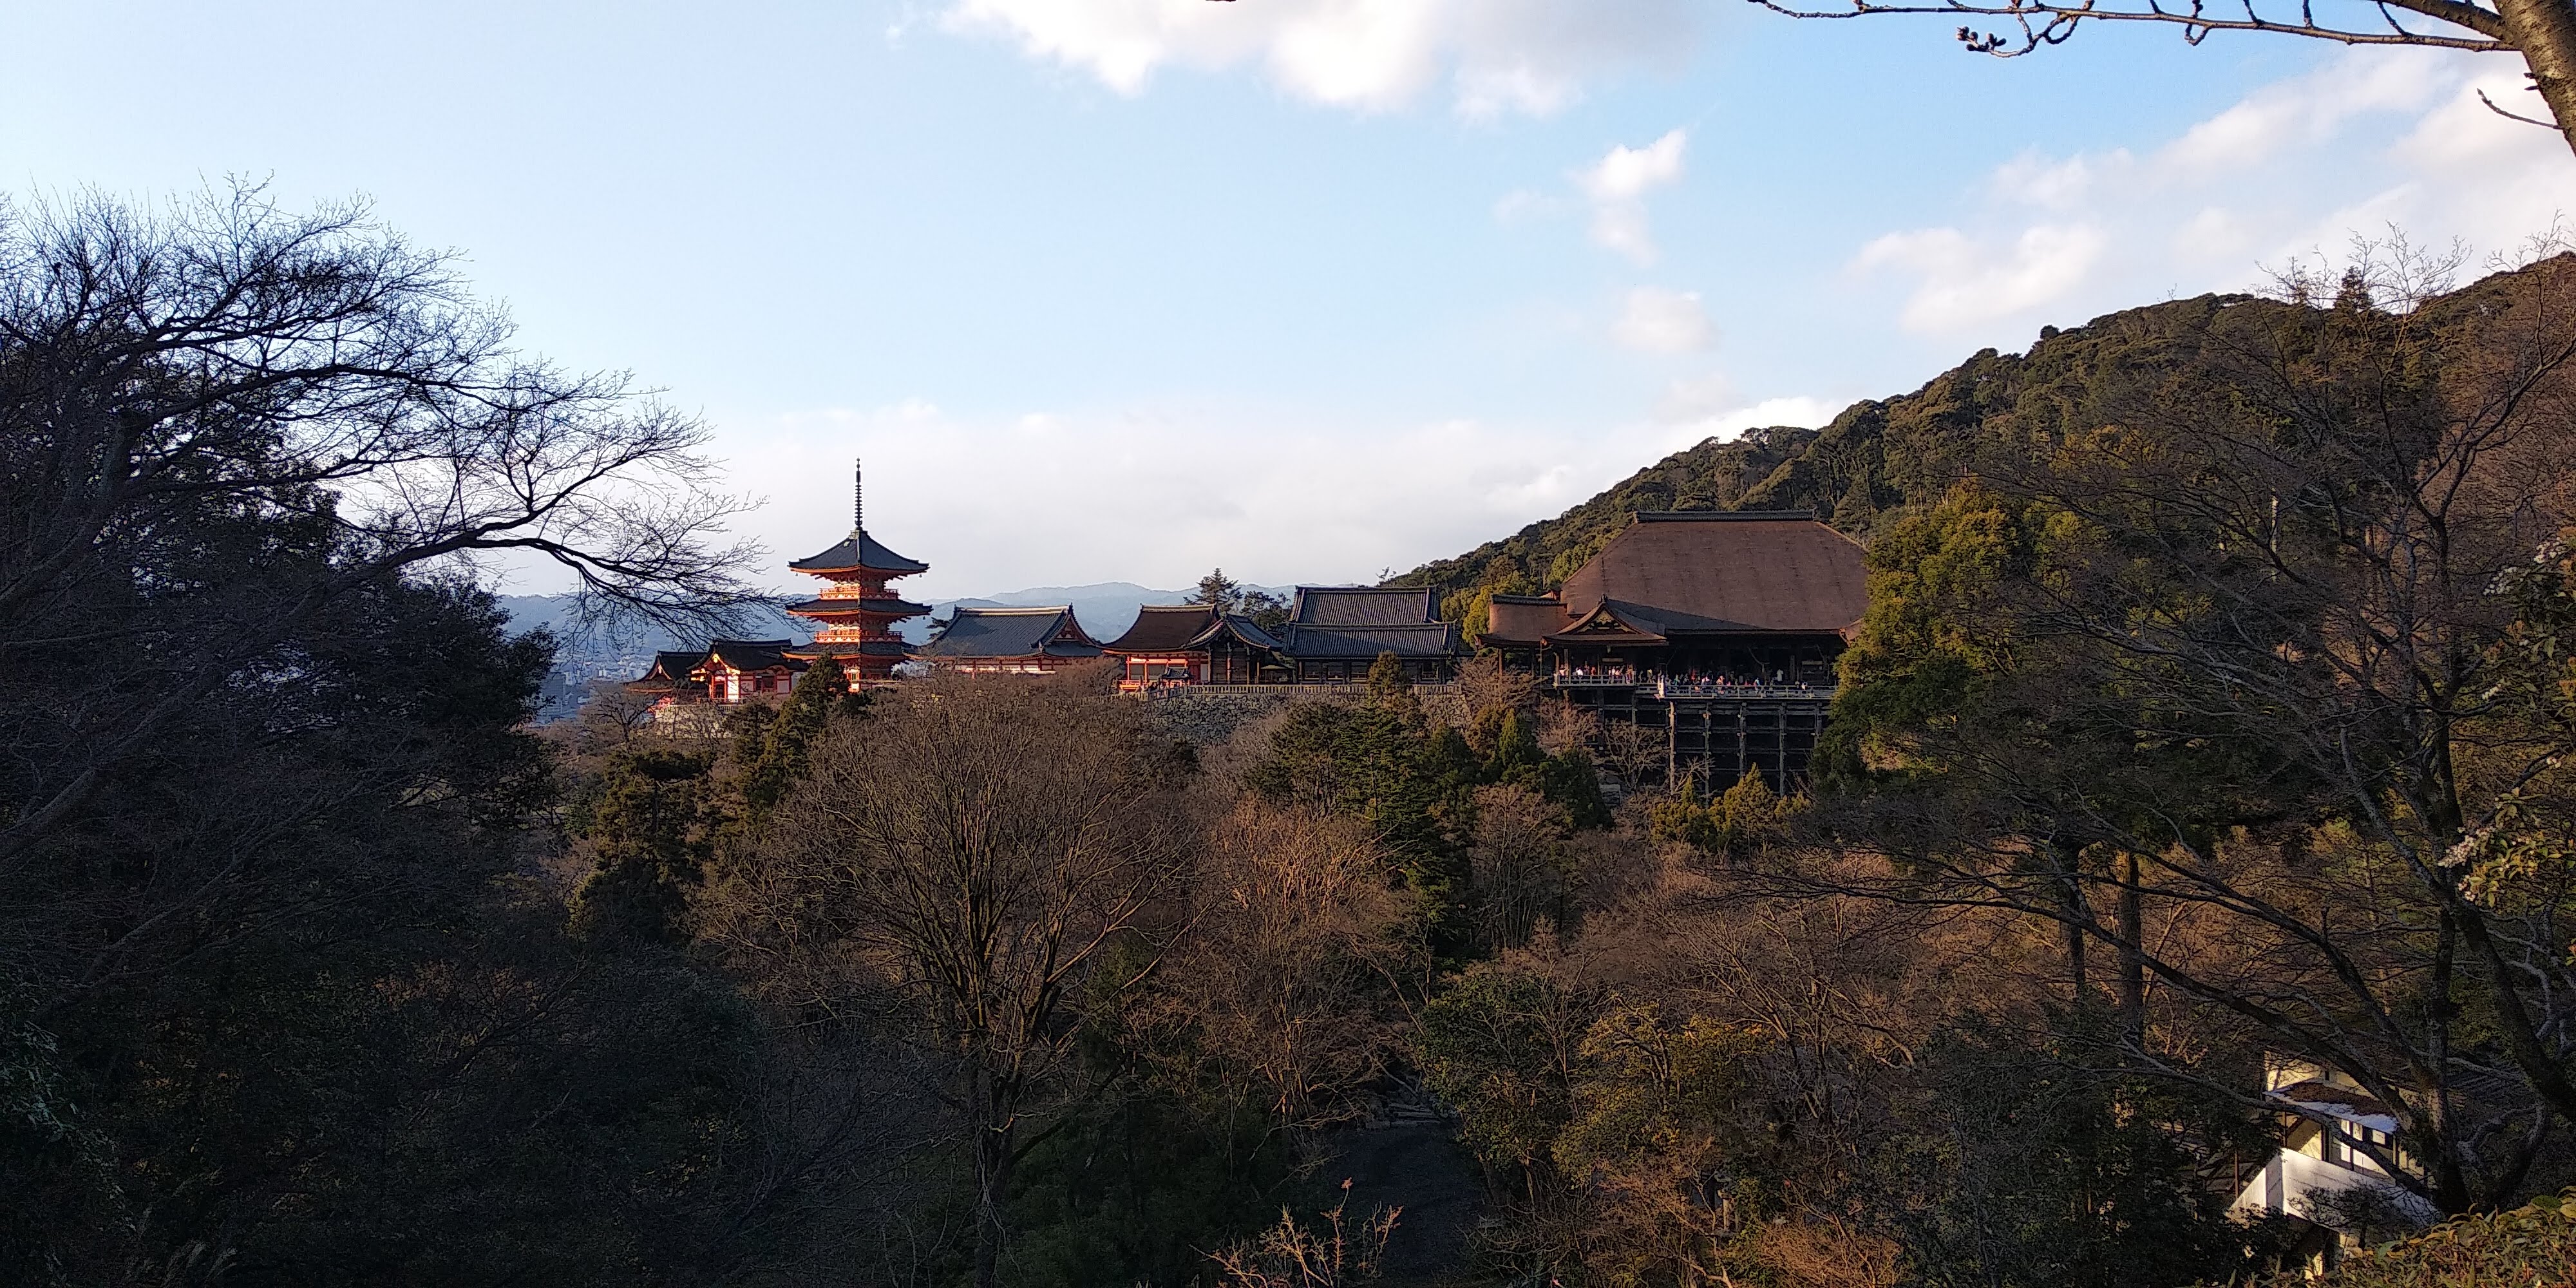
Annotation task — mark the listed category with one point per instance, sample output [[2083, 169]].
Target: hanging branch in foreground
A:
[[2052, 24], [2542, 31]]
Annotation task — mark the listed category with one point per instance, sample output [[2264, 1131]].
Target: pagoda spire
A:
[[858, 495]]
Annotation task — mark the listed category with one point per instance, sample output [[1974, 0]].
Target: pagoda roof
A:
[[888, 606], [751, 655], [1009, 633], [1363, 606], [1725, 571], [1165, 628], [858, 550]]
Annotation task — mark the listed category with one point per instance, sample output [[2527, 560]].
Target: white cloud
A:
[[1618, 184], [1656, 320], [1629, 173], [1963, 283], [1696, 398], [1497, 56], [2270, 178], [2305, 110]]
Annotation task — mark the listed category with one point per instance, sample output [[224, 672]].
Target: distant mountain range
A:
[[1106, 609]]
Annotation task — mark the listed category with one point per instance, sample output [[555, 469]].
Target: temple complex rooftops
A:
[[1010, 633], [726, 672]]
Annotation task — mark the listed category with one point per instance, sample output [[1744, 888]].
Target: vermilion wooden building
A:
[[856, 612], [729, 671], [1185, 644]]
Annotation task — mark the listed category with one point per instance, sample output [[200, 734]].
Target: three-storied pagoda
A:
[[856, 612]]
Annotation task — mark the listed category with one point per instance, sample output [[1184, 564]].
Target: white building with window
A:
[[2328, 1171]]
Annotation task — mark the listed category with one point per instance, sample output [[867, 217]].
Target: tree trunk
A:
[[2071, 889], [992, 1186], [2133, 960], [2545, 32]]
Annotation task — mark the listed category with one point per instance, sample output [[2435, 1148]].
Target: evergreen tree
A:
[[649, 837], [786, 746]]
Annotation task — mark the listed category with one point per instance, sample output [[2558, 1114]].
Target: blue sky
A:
[[1120, 289]]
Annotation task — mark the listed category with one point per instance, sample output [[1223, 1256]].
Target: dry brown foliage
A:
[[1485, 682], [969, 857], [1289, 1255], [1520, 867], [1280, 989], [1827, 1253]]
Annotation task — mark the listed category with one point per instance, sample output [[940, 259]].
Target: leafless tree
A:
[[1520, 868], [170, 381], [2541, 32], [975, 855], [1287, 979], [1338, 1253]]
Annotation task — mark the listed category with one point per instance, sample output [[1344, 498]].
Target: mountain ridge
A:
[[1876, 460]]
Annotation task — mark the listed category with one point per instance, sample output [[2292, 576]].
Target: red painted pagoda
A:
[[855, 614]]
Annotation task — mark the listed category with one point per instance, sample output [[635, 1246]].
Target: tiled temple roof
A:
[[1009, 633], [1764, 570], [670, 670], [1363, 606], [752, 655], [895, 649], [1165, 628], [888, 607], [1242, 628], [1523, 619]]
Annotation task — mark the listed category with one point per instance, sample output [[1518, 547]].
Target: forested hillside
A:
[[2211, 724], [1874, 461]]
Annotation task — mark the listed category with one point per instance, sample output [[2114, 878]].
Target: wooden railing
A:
[[1747, 692], [1668, 689]]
